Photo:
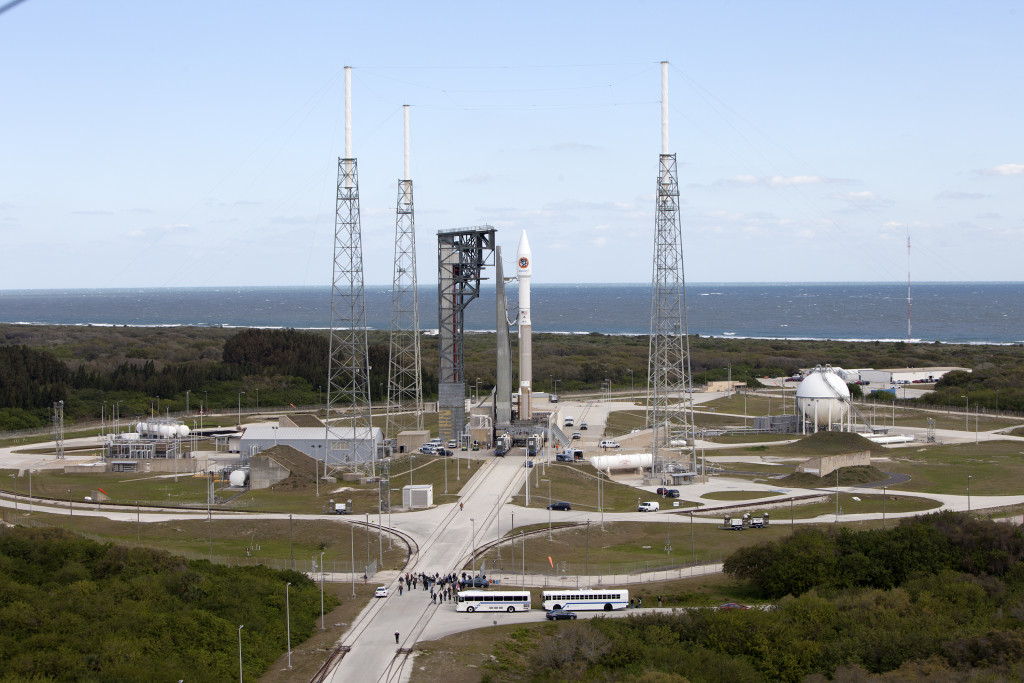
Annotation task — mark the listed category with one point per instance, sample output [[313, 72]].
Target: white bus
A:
[[493, 601], [582, 600]]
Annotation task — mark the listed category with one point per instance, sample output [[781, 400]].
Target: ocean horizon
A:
[[950, 312]]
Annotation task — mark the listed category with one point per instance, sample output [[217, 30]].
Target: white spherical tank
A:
[[183, 431], [238, 478], [823, 397]]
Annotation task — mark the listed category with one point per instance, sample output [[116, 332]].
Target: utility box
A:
[[418, 496]]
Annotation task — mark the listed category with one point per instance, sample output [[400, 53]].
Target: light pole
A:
[[71, 512], [321, 590], [187, 393], [30, 489], [352, 528], [555, 382], [586, 566], [478, 390], [969, 492], [549, 507], [632, 388], [288, 620], [15, 484], [240, 408], [275, 434], [240, 652], [473, 520], [257, 399], [883, 507], [693, 552], [837, 495], [967, 413]]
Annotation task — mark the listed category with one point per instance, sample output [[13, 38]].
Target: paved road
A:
[[444, 544]]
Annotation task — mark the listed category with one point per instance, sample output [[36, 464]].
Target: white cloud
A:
[[93, 212], [952, 194], [750, 180], [1005, 169], [786, 181], [4, 206]]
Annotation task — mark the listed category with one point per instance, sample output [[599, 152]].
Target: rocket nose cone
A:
[[524, 246]]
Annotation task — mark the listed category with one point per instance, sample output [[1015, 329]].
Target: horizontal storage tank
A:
[[623, 461], [238, 478]]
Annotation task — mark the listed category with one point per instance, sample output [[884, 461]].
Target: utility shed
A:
[[417, 496]]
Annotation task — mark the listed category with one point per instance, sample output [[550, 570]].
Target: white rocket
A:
[[524, 269]]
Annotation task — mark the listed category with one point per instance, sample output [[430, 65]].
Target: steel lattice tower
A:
[[405, 384], [348, 374], [668, 361]]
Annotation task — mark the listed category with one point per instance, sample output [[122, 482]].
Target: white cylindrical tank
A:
[[823, 397], [140, 427], [183, 431], [624, 461], [238, 478]]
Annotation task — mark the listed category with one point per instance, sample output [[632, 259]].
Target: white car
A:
[[648, 507], [607, 443], [381, 592]]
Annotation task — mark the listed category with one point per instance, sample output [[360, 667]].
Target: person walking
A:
[[396, 637]]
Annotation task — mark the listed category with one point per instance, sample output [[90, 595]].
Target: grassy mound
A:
[[848, 476], [829, 443]]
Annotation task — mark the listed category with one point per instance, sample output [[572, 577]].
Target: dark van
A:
[[560, 505]]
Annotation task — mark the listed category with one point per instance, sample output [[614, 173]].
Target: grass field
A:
[[578, 484], [995, 468], [291, 495], [237, 541]]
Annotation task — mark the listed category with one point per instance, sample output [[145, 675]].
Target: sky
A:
[[195, 143]]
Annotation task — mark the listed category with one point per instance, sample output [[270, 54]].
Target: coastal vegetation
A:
[[75, 609], [148, 370]]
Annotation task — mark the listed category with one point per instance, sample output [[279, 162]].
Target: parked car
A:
[[577, 435], [672, 493], [733, 605], [563, 457], [559, 614], [650, 506], [444, 451], [528, 463], [608, 443], [381, 592], [553, 398], [428, 448], [661, 490], [583, 425], [560, 505], [476, 582], [453, 444]]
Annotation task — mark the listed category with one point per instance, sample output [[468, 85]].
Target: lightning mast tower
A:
[[348, 374], [669, 355], [405, 386]]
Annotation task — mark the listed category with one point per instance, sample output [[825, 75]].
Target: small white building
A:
[[417, 496], [310, 440], [906, 375]]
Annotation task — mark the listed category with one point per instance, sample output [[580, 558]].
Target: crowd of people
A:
[[441, 587]]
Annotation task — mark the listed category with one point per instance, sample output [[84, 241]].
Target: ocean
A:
[[941, 312]]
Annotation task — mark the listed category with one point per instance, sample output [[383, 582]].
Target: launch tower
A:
[[405, 386], [462, 255], [348, 374], [668, 360]]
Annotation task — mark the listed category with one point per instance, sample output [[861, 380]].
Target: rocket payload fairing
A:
[[524, 269]]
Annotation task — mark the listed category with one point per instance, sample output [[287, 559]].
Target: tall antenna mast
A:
[[908, 284], [668, 360], [348, 374], [405, 386]]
